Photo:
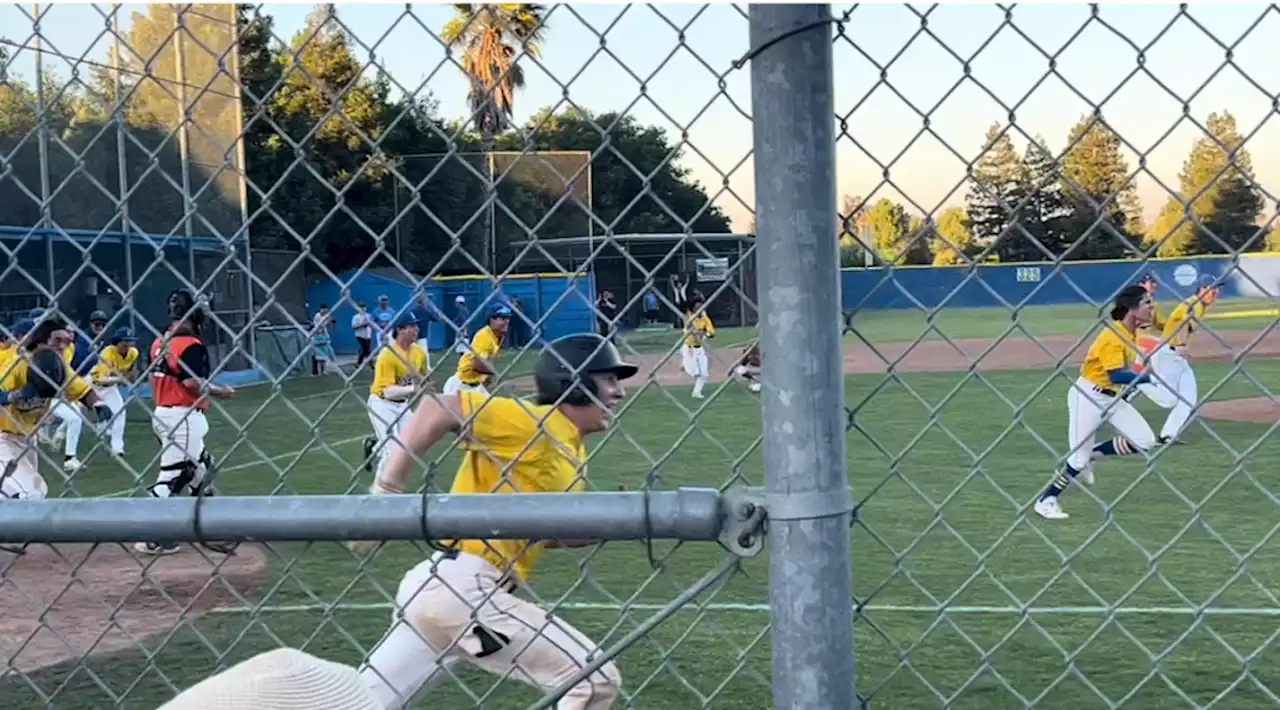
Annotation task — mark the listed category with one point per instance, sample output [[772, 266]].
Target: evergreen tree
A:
[[1217, 180], [1095, 185], [1043, 218], [996, 194]]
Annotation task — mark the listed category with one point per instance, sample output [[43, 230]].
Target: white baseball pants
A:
[[453, 385], [388, 419], [20, 468], [696, 366], [1088, 409], [112, 398], [71, 421], [457, 609], [1173, 386], [181, 431]]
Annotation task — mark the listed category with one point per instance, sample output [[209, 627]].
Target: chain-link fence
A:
[[377, 289]]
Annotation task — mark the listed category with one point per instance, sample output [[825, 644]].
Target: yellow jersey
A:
[[8, 355], [111, 363], [24, 419], [1178, 329], [69, 353], [1113, 349], [486, 345], [397, 366], [696, 328], [512, 446]]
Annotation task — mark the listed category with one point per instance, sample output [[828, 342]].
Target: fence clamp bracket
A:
[[751, 509]]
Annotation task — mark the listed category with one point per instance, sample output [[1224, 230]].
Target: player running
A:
[[748, 367], [461, 605], [181, 385], [36, 377], [698, 328], [399, 373], [476, 367], [116, 365], [1173, 384], [1096, 397]]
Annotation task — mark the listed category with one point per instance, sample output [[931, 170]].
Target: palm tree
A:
[[490, 38]]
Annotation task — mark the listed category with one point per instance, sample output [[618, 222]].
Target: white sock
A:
[[698, 383]]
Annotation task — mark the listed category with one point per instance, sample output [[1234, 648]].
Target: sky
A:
[[670, 65]]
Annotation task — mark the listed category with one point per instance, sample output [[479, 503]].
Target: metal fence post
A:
[[807, 493]]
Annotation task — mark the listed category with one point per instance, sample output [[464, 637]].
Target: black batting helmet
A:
[[565, 366], [46, 371], [182, 305]]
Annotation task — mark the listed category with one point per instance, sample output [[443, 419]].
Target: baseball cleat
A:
[[1169, 441], [1050, 509], [369, 443], [1086, 476], [754, 387], [155, 548], [72, 464]]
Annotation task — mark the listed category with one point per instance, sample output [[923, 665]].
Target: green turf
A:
[[940, 492]]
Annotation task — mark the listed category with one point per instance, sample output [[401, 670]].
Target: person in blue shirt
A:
[[383, 316], [461, 314], [651, 307], [425, 312]]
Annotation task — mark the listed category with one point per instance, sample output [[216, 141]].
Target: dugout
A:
[[720, 265]]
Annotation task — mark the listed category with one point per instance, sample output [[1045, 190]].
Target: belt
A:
[[696, 347], [508, 586], [1104, 390]]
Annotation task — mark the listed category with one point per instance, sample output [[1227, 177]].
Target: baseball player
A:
[[1173, 384], [476, 367], [399, 372], [115, 367], [181, 386], [78, 351], [698, 328], [1096, 397], [461, 604], [748, 367], [38, 377]]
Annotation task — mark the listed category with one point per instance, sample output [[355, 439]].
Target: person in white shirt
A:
[[362, 328]]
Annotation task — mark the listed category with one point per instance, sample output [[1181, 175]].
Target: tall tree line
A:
[[328, 144], [1082, 204]]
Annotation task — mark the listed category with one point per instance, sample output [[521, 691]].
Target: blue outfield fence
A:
[[562, 302], [1039, 284]]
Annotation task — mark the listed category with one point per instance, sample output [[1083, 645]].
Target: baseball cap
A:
[[404, 321], [35, 313], [460, 299], [123, 334], [281, 679], [382, 298], [22, 327], [98, 317], [500, 310]]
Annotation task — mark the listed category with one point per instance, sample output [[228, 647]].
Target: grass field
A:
[[942, 495]]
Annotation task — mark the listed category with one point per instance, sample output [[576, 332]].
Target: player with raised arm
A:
[[698, 328], [461, 604], [477, 366], [1173, 383], [399, 373], [181, 387], [1100, 395], [115, 367]]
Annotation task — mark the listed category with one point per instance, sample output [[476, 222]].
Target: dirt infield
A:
[[68, 601], [978, 354], [1257, 410]]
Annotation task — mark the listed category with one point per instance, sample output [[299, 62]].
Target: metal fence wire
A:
[[409, 450]]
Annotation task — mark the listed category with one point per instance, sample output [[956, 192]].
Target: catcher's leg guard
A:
[[173, 481], [203, 487]]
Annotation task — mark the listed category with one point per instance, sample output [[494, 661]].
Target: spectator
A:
[[362, 328], [424, 311], [651, 306], [515, 332], [606, 312], [460, 317], [383, 315], [321, 342], [680, 297]]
